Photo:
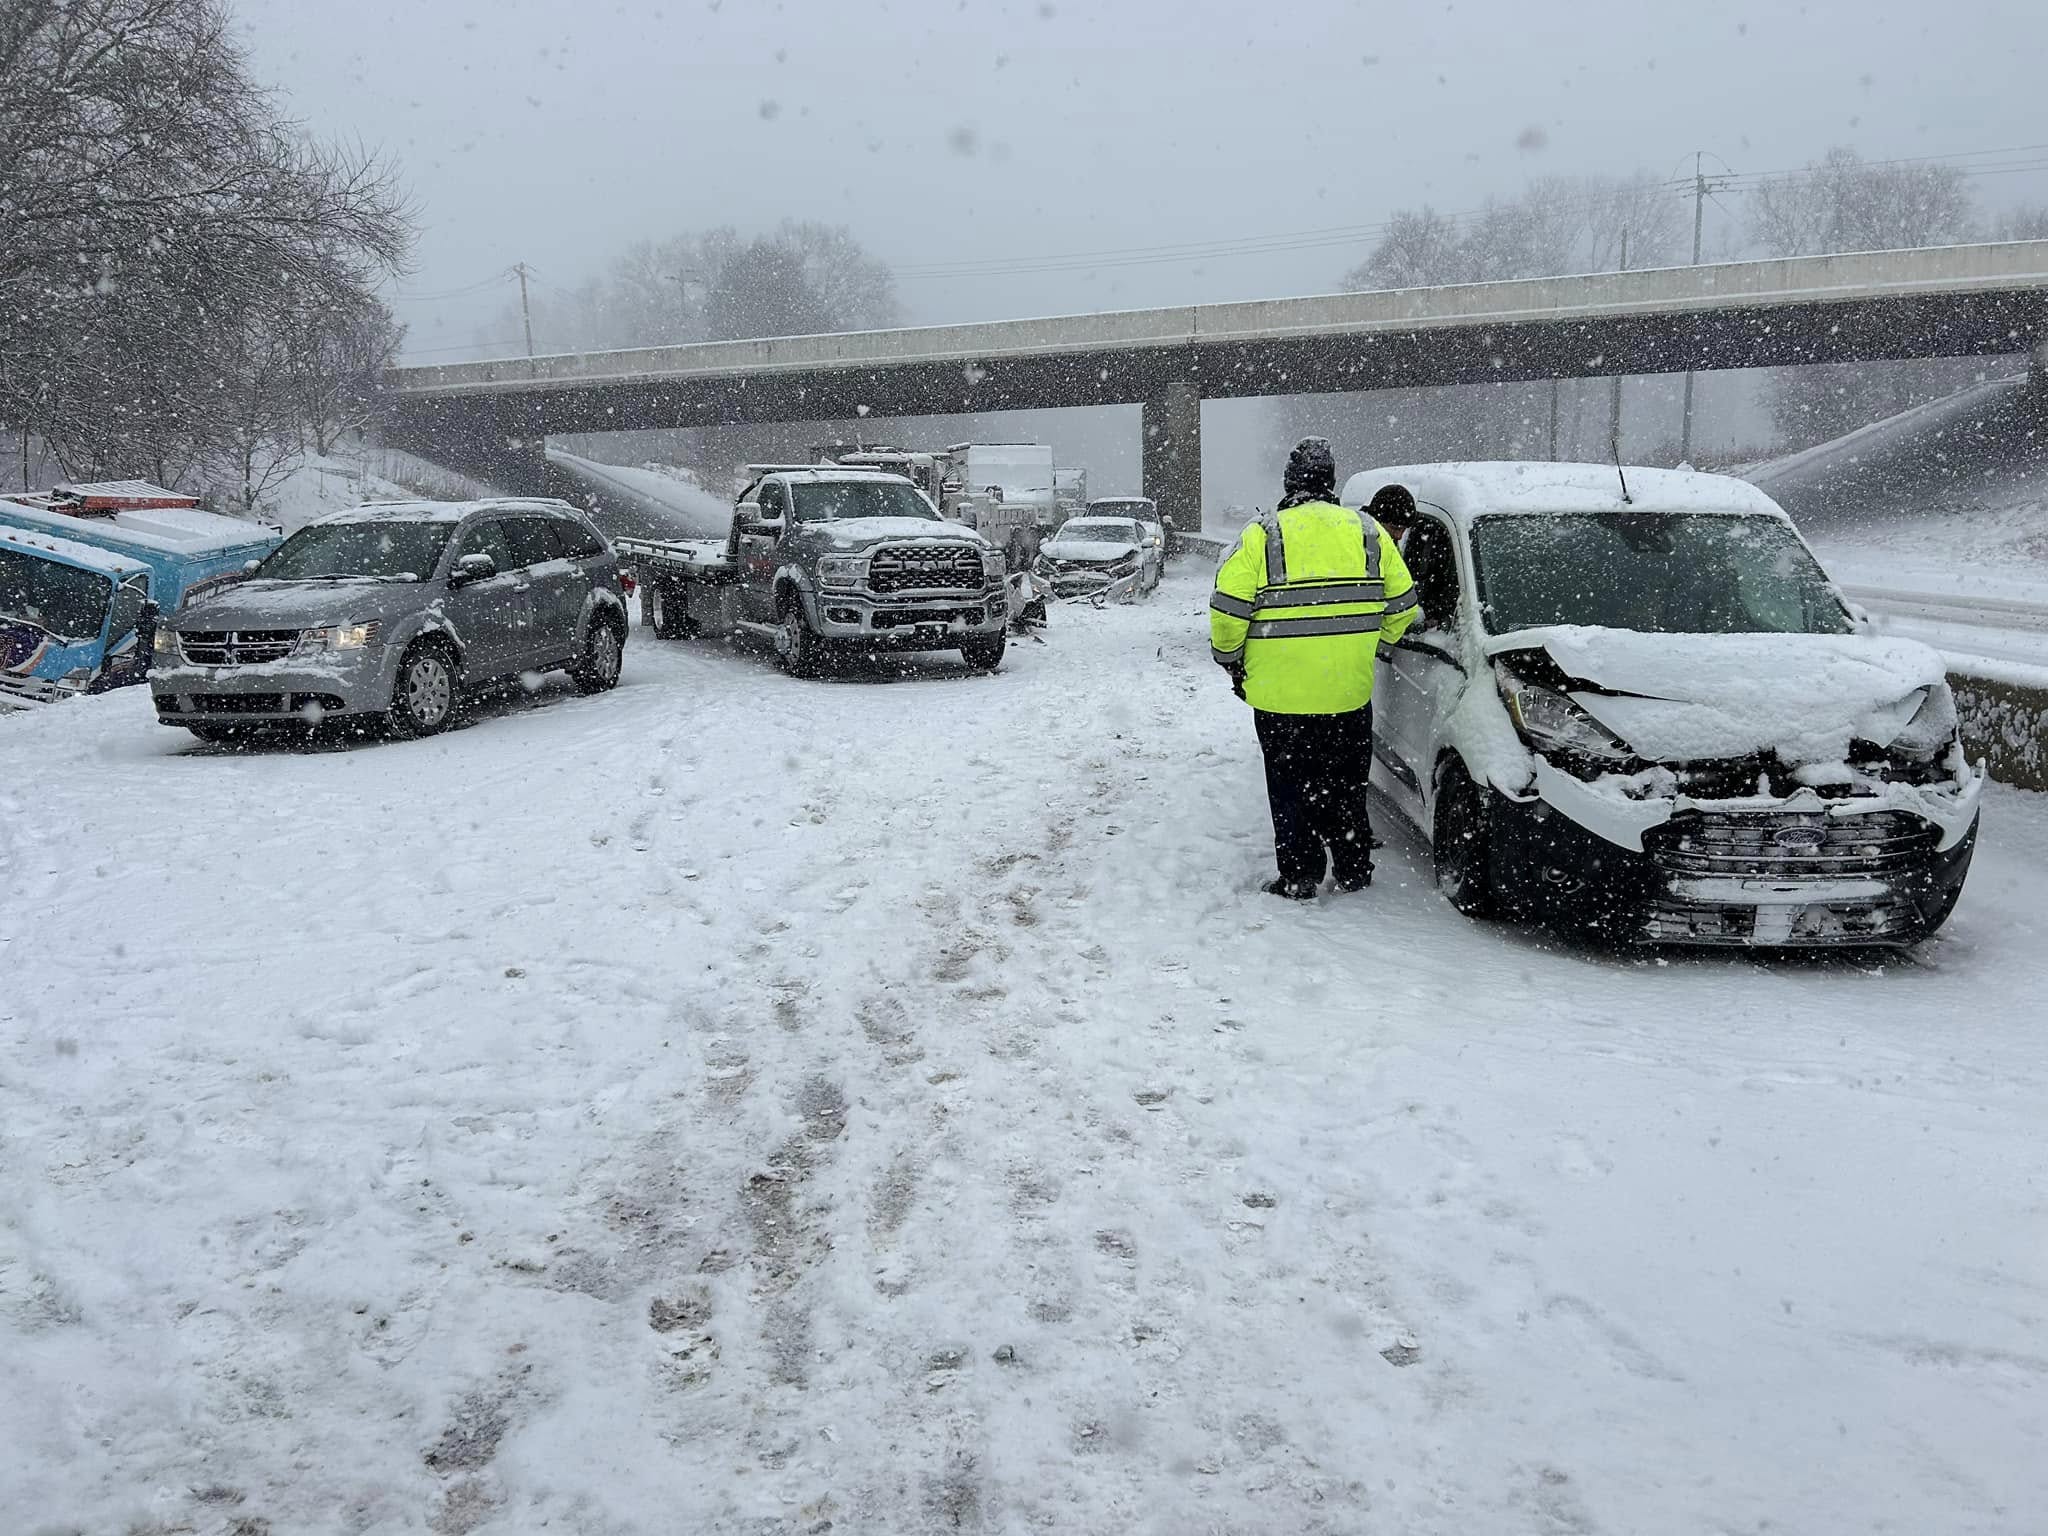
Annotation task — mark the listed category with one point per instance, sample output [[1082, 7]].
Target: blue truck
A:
[[85, 570]]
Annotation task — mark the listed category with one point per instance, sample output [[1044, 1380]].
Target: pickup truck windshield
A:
[[365, 551], [830, 501], [61, 599], [1654, 572]]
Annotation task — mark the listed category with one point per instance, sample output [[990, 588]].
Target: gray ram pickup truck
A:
[[825, 560]]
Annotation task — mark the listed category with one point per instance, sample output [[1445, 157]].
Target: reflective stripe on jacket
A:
[[1302, 604]]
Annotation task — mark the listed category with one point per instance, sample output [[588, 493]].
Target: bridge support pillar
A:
[[1172, 456]]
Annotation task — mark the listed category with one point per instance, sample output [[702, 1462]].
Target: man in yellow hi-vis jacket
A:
[[1297, 617]]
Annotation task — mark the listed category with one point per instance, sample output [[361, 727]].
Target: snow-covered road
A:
[[737, 1104]]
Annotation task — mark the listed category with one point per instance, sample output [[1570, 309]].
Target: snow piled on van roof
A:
[[69, 550], [1469, 490]]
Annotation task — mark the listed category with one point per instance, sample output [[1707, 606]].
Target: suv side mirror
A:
[[472, 568]]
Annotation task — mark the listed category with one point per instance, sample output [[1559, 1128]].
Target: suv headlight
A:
[[842, 570], [337, 637], [1551, 722]]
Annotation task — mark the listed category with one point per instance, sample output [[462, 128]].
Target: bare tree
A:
[[802, 278], [1844, 203], [155, 211], [2029, 223]]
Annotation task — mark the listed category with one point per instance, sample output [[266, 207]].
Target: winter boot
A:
[[1293, 890]]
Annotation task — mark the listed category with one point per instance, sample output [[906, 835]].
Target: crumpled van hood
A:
[[1688, 698]]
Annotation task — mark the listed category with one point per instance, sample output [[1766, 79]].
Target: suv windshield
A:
[[1656, 572], [1100, 530], [832, 500], [365, 551], [61, 599]]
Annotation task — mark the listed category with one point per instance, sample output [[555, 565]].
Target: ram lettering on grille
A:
[[908, 568]]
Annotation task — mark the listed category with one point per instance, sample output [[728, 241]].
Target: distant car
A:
[[1143, 511], [1099, 556], [394, 613], [1652, 713]]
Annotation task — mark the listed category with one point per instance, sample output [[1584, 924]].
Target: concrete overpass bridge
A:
[[492, 419]]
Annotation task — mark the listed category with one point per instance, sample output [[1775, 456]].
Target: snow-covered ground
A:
[[738, 1104]]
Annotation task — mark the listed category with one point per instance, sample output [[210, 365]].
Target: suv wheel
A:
[[604, 649], [1462, 844], [800, 647], [984, 653], [428, 690]]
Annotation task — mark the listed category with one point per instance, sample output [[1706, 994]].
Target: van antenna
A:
[[1620, 473]]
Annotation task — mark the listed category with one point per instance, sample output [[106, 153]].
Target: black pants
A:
[[1316, 771]]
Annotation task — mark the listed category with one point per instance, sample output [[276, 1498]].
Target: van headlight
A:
[[842, 570], [163, 646], [1550, 722], [338, 637]]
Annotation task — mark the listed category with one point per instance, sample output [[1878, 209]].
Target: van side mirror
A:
[[472, 568]]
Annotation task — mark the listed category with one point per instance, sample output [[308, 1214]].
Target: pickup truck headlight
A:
[[993, 565], [842, 570], [1550, 722], [337, 637]]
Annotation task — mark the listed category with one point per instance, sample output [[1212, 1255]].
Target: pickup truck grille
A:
[[925, 568], [1782, 846], [236, 647]]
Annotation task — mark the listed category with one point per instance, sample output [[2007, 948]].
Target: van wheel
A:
[[428, 691], [802, 651], [604, 649], [984, 653], [1462, 844]]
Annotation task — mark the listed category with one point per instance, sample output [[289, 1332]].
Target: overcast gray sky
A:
[[948, 131]]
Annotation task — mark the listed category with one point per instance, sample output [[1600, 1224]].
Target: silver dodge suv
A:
[[392, 613]]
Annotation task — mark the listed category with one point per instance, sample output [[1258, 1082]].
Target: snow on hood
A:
[[1088, 549], [859, 532], [1682, 698], [298, 604]]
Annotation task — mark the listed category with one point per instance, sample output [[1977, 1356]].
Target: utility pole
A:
[[1614, 389], [1553, 421], [1700, 193], [525, 311]]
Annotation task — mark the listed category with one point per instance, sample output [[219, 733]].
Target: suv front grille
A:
[[925, 568], [1790, 846], [236, 647]]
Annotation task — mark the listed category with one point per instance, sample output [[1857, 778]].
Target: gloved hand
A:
[[1237, 681]]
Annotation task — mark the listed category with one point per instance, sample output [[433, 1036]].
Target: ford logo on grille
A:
[[1800, 837]]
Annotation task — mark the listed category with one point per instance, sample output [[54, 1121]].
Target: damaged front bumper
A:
[[1803, 870]]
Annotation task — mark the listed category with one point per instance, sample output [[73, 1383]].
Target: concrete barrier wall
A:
[[2005, 724]]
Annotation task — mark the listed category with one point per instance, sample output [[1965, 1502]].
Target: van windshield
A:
[[364, 551], [61, 600], [1653, 572], [832, 500]]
